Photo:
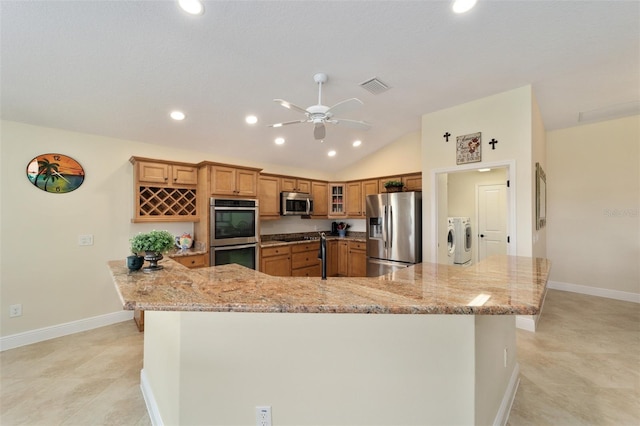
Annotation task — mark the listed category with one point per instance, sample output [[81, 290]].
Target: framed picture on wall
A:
[[469, 148]]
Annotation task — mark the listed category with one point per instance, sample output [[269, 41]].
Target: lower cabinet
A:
[[332, 258], [357, 259], [276, 261], [343, 258], [304, 260]]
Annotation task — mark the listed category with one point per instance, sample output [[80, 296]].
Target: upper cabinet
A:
[[233, 181], [320, 192], [269, 196], [337, 200], [165, 173], [354, 199], [164, 191], [292, 184], [412, 182]]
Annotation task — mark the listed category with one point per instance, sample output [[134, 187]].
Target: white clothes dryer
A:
[[451, 241], [463, 240]]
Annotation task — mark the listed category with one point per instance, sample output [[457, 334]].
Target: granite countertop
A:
[[510, 285]]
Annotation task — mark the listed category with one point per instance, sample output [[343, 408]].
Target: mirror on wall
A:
[[541, 197]]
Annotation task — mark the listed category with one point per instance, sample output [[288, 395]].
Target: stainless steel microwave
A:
[[296, 203]]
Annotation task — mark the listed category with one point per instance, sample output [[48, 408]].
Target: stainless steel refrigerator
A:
[[394, 231]]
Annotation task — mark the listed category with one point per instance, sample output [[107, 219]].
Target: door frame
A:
[[510, 165]]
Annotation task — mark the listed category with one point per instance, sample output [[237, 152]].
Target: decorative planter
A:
[[394, 188], [152, 257], [134, 262]]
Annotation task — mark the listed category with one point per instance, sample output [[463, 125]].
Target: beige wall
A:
[[506, 117], [593, 203], [400, 156]]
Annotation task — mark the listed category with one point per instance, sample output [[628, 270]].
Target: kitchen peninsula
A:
[[220, 341]]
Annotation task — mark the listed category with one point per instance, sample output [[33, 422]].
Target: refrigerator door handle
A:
[[384, 228], [391, 226]]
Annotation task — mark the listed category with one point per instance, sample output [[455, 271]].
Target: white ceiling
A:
[[117, 68]]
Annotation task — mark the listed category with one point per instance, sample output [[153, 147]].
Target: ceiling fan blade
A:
[[319, 131], [289, 105], [354, 124], [286, 123], [344, 106]]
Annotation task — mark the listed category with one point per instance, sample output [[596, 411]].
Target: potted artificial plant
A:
[[153, 244], [393, 186]]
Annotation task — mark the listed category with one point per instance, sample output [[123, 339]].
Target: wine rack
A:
[[162, 203]]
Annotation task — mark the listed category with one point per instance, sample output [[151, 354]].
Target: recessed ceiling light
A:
[[331, 153], [462, 6], [192, 7], [357, 143], [279, 141], [177, 115], [251, 119]]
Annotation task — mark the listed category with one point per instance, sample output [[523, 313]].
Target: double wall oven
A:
[[234, 232]]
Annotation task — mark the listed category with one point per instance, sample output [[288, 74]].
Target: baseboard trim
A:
[[526, 322], [595, 291], [46, 333], [509, 396], [150, 400]]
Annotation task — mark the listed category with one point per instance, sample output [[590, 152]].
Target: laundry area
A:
[[472, 216]]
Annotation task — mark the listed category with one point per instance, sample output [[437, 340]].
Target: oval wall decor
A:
[[56, 173]]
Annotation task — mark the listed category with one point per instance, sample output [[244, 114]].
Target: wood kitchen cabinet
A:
[[354, 199], [192, 261], [332, 258], [320, 192], [343, 258], [164, 191], [304, 260], [337, 200], [412, 182], [357, 266], [291, 184], [269, 196], [369, 187], [276, 261], [232, 181]]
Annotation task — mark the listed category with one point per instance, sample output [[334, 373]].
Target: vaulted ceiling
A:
[[117, 68]]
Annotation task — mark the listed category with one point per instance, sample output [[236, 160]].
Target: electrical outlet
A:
[[85, 240], [263, 415], [15, 310]]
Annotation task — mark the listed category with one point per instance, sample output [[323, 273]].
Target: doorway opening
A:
[[484, 200]]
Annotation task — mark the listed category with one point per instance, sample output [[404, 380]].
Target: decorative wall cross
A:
[[446, 136], [493, 143]]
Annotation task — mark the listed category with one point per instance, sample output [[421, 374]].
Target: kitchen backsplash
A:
[[290, 225]]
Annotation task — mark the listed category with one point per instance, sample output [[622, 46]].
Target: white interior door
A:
[[492, 220]]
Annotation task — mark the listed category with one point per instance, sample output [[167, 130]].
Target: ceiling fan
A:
[[320, 114]]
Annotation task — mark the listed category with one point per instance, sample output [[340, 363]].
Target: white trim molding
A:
[[46, 333], [595, 291], [502, 416], [150, 400]]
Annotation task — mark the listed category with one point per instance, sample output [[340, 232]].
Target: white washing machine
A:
[[463, 240], [451, 241]]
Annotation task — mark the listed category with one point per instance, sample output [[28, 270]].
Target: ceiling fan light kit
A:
[[320, 114]]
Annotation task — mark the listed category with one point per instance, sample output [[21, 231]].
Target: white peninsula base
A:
[[214, 368]]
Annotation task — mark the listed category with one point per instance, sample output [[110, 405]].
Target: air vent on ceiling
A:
[[374, 86]]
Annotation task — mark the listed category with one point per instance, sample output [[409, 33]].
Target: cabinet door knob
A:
[[481, 235]]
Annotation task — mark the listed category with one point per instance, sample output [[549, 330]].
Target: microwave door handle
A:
[[308, 206]]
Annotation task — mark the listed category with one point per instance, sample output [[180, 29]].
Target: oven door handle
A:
[[243, 246]]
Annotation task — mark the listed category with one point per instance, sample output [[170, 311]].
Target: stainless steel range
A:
[[234, 232]]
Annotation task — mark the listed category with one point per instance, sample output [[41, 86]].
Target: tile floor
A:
[[582, 367]]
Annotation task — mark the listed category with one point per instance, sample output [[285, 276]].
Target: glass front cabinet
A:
[[337, 199]]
